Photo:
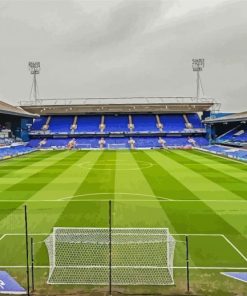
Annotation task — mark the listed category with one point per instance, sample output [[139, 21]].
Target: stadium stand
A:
[[194, 120], [147, 142], [60, 124], [15, 124], [144, 123], [120, 123], [237, 134], [88, 124], [172, 122], [130, 126], [34, 143], [229, 129], [39, 123], [116, 123], [12, 151]]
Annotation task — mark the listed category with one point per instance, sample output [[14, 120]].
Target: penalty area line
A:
[[235, 248]]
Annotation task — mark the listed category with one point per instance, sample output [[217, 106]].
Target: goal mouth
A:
[[117, 146], [83, 146], [129, 256]]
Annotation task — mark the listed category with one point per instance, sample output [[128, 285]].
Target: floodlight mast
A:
[[197, 66], [34, 68]]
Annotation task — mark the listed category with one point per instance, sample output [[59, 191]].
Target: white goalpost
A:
[[117, 146], [124, 256]]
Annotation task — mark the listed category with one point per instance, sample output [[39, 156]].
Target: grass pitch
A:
[[189, 192]]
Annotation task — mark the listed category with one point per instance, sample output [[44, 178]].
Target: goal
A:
[[83, 146], [117, 146], [126, 256]]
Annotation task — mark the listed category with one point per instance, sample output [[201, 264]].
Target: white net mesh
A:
[[117, 146], [140, 256], [83, 146]]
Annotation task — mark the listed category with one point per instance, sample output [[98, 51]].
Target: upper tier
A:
[[129, 123]]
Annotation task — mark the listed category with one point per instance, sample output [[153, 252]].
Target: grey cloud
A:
[[122, 53], [126, 20]]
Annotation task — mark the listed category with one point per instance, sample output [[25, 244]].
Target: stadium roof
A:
[[120, 105], [8, 109], [242, 116]]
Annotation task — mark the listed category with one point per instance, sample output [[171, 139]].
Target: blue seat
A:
[[60, 124], [116, 123], [88, 123], [194, 119], [146, 142], [38, 123], [144, 123], [172, 122]]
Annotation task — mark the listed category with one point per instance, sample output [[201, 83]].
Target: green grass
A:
[[187, 191]]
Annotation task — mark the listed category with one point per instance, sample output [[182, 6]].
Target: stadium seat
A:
[[172, 122], [116, 123]]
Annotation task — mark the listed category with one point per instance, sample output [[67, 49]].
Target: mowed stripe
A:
[[44, 217], [194, 178], [232, 212], [18, 175], [222, 175], [24, 189], [88, 207], [135, 204], [139, 207], [64, 185], [20, 162], [226, 168], [37, 178], [192, 216]]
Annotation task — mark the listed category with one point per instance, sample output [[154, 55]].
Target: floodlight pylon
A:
[[197, 66], [34, 68]]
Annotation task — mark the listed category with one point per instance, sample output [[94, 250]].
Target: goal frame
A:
[[117, 146], [111, 267], [83, 146]]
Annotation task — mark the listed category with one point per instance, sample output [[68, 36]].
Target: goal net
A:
[[135, 256], [83, 146], [117, 146]]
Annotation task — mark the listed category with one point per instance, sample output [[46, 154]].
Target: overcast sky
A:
[[124, 48]]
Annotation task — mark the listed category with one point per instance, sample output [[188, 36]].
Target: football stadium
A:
[[115, 179], [143, 196]]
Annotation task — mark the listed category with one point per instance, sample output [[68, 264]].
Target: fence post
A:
[[27, 250], [187, 264], [110, 247]]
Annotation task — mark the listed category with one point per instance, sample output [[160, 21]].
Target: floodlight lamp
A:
[[34, 67], [198, 64]]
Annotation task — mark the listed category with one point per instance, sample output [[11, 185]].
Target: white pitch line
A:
[[3, 236], [22, 234], [112, 193], [234, 247], [174, 234], [175, 267], [220, 155], [164, 199]]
